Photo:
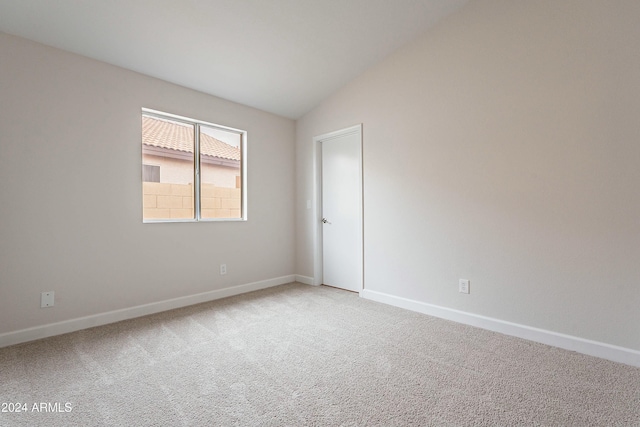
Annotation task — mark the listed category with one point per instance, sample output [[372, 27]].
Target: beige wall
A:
[[502, 147], [71, 211], [181, 171]]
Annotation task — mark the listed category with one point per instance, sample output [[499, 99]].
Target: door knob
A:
[[325, 221]]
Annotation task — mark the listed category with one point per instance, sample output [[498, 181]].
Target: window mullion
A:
[[196, 171]]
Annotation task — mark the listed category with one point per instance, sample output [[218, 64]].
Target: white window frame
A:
[[196, 166]]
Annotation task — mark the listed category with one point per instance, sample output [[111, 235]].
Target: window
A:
[[191, 170], [150, 173]]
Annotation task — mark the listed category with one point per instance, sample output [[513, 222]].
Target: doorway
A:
[[339, 233]]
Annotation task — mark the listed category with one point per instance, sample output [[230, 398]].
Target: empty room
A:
[[355, 212]]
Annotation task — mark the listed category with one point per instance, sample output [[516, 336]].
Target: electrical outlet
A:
[[463, 286], [223, 269], [46, 299]]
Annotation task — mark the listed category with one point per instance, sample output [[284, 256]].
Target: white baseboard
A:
[[304, 279], [49, 330], [567, 342]]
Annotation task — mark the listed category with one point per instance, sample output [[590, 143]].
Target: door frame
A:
[[317, 188]]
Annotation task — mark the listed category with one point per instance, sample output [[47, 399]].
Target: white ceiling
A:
[[282, 56]]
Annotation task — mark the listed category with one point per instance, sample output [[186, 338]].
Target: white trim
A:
[[49, 330], [305, 279], [317, 198], [567, 342], [187, 120]]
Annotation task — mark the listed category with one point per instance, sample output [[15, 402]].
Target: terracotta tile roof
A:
[[173, 136]]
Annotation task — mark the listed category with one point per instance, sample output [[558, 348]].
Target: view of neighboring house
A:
[[168, 170]]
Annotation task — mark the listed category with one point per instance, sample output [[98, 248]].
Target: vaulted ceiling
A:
[[282, 56]]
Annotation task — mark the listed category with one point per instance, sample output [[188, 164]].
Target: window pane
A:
[[167, 157], [220, 173], [150, 173]]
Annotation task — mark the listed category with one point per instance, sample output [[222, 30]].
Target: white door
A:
[[342, 210]]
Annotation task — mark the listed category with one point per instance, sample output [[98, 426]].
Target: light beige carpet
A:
[[299, 355]]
